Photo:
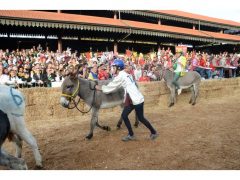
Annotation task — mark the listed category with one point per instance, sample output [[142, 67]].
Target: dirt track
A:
[[205, 136]]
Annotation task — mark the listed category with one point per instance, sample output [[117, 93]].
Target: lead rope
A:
[[76, 104]]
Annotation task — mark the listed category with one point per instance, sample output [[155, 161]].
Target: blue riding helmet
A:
[[119, 63]]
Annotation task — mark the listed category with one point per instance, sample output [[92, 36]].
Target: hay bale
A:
[[43, 103]]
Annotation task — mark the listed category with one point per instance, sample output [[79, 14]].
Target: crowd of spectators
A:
[[38, 68]]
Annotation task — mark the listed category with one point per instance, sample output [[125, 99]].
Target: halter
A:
[[76, 103], [74, 93]]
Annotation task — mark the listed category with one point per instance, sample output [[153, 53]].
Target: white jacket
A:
[[137, 74], [126, 81], [13, 81]]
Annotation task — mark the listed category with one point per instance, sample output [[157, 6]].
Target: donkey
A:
[[192, 80], [73, 86], [12, 103], [5, 158]]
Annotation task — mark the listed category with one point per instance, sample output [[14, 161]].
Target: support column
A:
[[221, 31], [194, 27], [115, 15], [119, 14], [115, 48], [59, 11], [46, 42], [60, 44], [159, 22], [47, 47]]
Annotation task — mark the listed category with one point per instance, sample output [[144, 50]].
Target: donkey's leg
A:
[[196, 92], [172, 96], [26, 136], [29, 139], [93, 123], [18, 144], [11, 161], [106, 128], [193, 95]]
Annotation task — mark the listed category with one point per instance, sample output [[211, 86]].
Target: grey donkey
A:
[[73, 86], [191, 80]]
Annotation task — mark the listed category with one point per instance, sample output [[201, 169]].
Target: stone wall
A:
[[43, 103]]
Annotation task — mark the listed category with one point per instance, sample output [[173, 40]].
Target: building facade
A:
[[110, 30]]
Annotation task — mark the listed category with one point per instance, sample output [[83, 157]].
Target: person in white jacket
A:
[[133, 98], [13, 81], [138, 72], [3, 77]]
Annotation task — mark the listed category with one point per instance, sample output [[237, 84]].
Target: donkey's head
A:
[[70, 86], [159, 71]]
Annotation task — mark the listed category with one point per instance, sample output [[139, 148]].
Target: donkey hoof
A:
[[38, 167], [88, 137], [108, 128], [119, 125], [193, 103], [171, 104], [136, 125]]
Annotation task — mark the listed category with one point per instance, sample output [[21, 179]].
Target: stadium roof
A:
[[72, 21], [198, 17]]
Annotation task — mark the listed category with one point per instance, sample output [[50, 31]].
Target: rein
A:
[[72, 97]]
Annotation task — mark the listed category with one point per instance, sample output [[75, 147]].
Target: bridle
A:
[[73, 96], [74, 93]]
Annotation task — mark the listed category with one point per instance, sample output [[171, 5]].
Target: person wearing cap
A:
[[180, 69], [133, 98]]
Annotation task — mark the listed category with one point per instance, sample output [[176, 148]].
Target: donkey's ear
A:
[[75, 72], [67, 72], [78, 67]]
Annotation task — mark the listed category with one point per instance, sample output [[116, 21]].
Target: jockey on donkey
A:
[[179, 69], [180, 79]]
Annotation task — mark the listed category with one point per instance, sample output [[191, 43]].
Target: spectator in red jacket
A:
[[144, 77], [102, 74]]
